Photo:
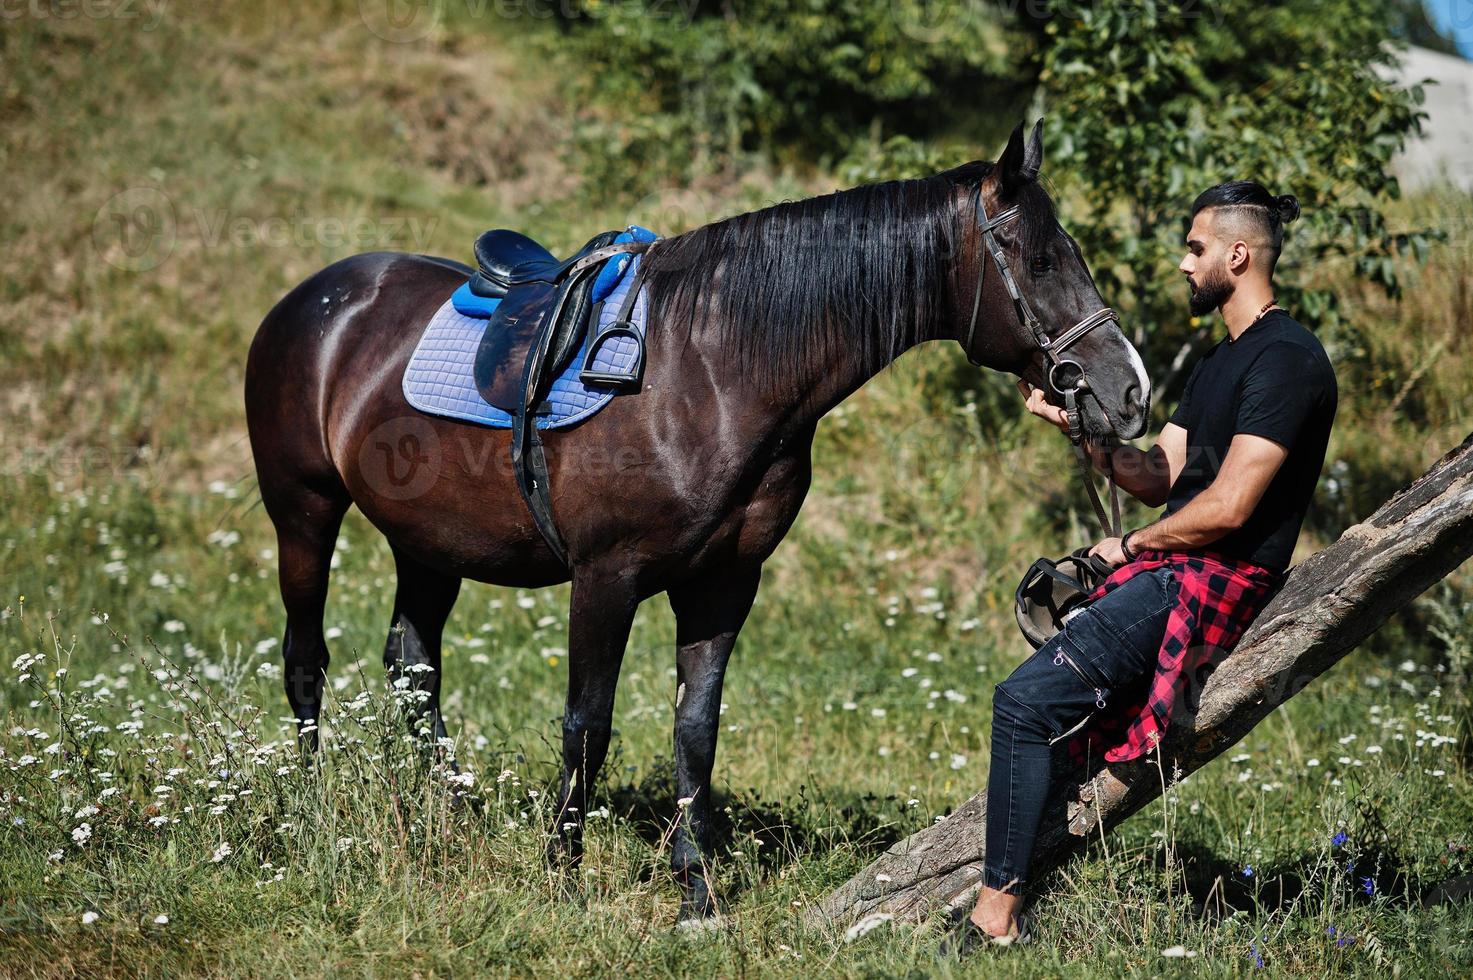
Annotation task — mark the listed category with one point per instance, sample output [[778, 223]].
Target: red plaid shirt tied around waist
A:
[[1217, 599]]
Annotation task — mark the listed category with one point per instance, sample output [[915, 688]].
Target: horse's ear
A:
[[1033, 157], [1019, 164]]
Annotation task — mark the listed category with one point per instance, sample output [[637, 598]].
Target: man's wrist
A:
[[1130, 553]]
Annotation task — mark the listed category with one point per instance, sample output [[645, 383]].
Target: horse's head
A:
[[1031, 307]]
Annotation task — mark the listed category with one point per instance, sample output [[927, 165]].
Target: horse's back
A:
[[326, 407], [320, 341]]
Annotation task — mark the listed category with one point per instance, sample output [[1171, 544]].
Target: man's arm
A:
[[1147, 476], [1224, 506]]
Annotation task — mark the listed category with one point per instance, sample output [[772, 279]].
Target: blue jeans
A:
[[1107, 650]]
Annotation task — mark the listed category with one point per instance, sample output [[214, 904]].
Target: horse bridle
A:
[[1052, 350]]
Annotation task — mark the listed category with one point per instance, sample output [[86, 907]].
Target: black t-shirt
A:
[[1274, 381]]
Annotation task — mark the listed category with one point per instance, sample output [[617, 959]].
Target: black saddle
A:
[[543, 304], [545, 309], [503, 255]]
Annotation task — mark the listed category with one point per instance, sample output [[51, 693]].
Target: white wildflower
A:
[[866, 925]]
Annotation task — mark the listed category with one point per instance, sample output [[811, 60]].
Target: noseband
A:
[[1052, 350]]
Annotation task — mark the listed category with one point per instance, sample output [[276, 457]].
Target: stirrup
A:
[[619, 328]]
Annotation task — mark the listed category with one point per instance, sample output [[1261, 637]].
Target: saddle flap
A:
[[511, 333], [534, 332]]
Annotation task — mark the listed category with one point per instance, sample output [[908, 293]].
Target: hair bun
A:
[[1288, 207]]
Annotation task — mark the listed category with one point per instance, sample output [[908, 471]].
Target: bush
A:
[[809, 81]]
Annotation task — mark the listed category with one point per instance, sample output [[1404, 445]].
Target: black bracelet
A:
[[1125, 546]]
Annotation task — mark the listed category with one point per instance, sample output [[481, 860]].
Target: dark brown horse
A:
[[759, 325]]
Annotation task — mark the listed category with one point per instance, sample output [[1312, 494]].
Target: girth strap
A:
[[529, 462]]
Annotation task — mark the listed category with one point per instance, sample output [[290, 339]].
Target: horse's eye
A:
[[1041, 265]]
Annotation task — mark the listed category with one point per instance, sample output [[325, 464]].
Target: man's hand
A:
[[1038, 406], [1110, 550]]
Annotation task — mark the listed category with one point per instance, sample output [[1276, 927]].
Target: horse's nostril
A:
[[1133, 398]]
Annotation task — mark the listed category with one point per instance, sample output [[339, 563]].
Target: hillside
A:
[[165, 182]]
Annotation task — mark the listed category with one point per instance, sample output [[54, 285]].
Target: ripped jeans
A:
[[1107, 650]]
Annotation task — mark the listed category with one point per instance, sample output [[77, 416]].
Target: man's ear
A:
[[1238, 256], [1020, 163]]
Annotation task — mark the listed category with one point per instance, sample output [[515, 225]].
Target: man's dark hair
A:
[[1252, 208]]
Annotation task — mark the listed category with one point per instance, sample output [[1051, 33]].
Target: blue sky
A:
[[1455, 17]]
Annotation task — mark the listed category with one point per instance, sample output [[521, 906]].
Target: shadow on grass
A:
[[774, 833], [1361, 874]]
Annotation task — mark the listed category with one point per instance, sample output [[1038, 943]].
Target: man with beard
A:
[[1236, 468]]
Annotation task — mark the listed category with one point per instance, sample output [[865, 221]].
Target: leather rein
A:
[[1052, 350]]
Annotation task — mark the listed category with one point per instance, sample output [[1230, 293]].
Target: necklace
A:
[[1261, 314]]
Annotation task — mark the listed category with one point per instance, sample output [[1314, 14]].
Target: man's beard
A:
[[1214, 291]]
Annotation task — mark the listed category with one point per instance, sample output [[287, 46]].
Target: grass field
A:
[[164, 182]]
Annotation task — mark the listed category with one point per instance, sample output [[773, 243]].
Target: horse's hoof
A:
[[696, 905], [563, 855], [464, 802], [699, 927]]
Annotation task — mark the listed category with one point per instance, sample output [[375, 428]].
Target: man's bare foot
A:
[[996, 912]]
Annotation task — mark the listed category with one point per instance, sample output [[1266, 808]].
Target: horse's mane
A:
[[852, 278]]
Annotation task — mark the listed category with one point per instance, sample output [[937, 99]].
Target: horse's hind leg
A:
[[422, 603], [307, 523], [709, 612]]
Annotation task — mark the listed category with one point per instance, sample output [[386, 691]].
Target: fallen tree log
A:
[[1328, 605]]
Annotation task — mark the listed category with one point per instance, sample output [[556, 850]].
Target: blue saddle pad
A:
[[440, 378]]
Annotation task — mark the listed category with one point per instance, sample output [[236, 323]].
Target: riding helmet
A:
[[1053, 591]]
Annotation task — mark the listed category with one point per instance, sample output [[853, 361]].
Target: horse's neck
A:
[[819, 392]]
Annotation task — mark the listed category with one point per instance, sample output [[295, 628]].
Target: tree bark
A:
[[1328, 605]]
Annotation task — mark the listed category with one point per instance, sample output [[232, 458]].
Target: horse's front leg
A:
[[708, 615], [602, 611]]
